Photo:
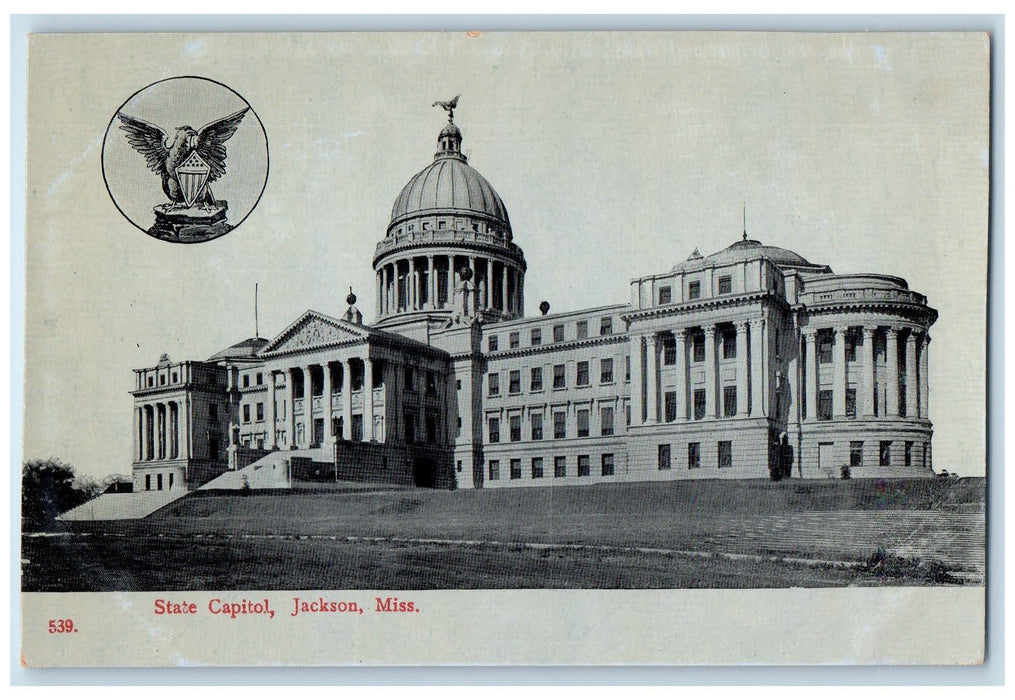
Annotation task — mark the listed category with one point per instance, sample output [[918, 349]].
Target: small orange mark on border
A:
[[24, 661], [473, 35]]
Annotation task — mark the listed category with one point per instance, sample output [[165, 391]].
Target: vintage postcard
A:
[[505, 348]]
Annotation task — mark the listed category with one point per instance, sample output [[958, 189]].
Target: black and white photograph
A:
[[691, 322]]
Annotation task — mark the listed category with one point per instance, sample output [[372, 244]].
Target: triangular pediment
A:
[[313, 330]]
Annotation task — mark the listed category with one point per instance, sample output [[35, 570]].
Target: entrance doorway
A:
[[424, 472], [318, 431]]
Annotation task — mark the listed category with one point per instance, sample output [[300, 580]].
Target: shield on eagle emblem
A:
[[192, 176]]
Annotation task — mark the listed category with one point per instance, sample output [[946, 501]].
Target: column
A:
[[636, 382], [892, 372], [520, 291], [924, 376], [868, 371], [347, 399], [269, 414], [839, 373], [326, 399], [681, 385], [503, 288], [710, 372], [759, 408], [488, 300], [811, 372], [450, 285], [181, 430], [911, 382], [172, 431], [292, 407], [161, 422], [742, 376], [308, 404], [431, 286], [652, 378], [368, 398], [379, 287], [138, 433], [413, 300]]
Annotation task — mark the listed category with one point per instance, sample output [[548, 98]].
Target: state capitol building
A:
[[750, 362]]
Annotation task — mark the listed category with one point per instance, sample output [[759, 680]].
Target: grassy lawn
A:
[[717, 534]]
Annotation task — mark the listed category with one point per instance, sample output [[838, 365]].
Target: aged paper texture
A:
[[505, 348]]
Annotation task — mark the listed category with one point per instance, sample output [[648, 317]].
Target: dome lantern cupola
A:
[[448, 218]]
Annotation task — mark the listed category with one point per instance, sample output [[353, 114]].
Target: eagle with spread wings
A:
[[165, 156]]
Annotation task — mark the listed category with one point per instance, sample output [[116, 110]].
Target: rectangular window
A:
[[583, 465], [824, 341], [729, 344], [246, 413], [536, 419], [664, 457], [516, 469], [246, 380], [825, 404], [725, 284], [515, 426], [410, 380], [559, 466], [559, 425], [606, 325], [851, 340], [725, 454], [729, 401], [537, 336], [410, 427], [536, 379], [665, 295], [851, 403], [431, 429], [606, 371], [670, 406], [627, 368], [559, 380], [491, 343], [856, 453], [431, 383], [698, 347], [606, 420], [558, 333], [513, 341], [213, 413], [515, 381], [582, 415], [260, 379], [694, 290], [582, 373], [885, 453], [669, 349], [699, 404], [260, 411], [583, 330], [537, 467], [694, 455], [607, 461], [493, 384], [494, 424], [494, 469]]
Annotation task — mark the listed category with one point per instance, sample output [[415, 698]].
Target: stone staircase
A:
[[123, 506], [276, 470]]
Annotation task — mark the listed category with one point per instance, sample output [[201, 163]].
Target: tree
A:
[[48, 488]]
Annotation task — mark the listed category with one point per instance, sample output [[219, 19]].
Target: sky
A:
[[615, 154]]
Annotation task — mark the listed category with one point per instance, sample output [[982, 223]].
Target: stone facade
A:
[[746, 363]]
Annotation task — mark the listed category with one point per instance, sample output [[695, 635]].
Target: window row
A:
[[724, 450], [560, 469], [884, 453], [725, 286], [536, 334], [559, 425], [582, 376]]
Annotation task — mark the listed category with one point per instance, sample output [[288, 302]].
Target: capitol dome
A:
[[450, 186], [750, 249], [448, 248]]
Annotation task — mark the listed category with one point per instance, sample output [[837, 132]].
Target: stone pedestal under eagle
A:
[[189, 161]]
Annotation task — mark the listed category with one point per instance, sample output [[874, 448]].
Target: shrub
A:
[[48, 488]]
